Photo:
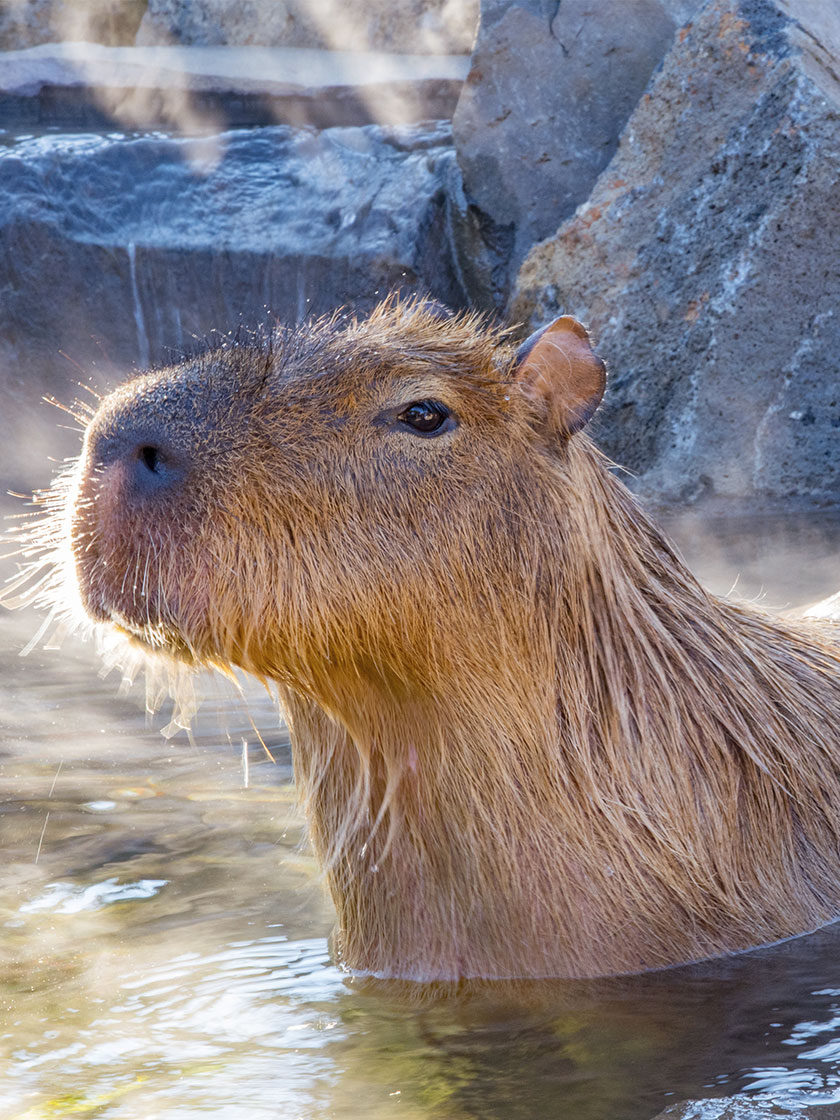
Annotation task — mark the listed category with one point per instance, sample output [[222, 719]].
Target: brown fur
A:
[[527, 741]]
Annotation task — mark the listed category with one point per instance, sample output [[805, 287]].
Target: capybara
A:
[[528, 743]]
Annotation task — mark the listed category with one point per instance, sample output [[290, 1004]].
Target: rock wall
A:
[[406, 27], [93, 87], [26, 23], [707, 262], [550, 88]]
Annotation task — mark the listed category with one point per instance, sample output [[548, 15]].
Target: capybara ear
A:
[[557, 369]]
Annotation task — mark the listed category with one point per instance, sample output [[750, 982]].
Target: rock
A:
[[409, 27], [764, 1106], [707, 262], [208, 89], [412, 26], [25, 23], [549, 90], [123, 250]]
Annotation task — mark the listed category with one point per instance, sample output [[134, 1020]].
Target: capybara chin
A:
[[528, 742]]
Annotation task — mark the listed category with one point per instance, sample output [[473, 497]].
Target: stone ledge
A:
[[201, 89]]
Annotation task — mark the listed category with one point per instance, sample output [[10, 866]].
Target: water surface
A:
[[164, 944]]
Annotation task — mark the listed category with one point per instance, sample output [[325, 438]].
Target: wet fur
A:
[[528, 743]]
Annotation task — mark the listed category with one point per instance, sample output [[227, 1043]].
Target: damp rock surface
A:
[[707, 263]]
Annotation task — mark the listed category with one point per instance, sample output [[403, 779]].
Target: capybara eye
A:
[[426, 417]]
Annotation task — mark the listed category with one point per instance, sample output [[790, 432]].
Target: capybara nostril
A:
[[151, 466], [151, 458], [155, 468], [146, 457]]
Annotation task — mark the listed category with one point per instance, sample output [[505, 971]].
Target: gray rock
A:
[[411, 26], [707, 261], [550, 88], [207, 89], [121, 251], [25, 23]]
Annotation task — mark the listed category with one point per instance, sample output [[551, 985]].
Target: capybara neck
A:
[[613, 770], [528, 742]]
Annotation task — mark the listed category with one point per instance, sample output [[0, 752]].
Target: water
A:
[[164, 945]]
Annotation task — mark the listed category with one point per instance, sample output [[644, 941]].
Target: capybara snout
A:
[[173, 420], [156, 458]]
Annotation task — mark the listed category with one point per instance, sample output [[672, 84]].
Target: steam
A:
[[782, 563]]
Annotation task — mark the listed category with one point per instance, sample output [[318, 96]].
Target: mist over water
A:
[[781, 562]]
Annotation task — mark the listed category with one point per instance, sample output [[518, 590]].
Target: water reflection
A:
[[68, 898], [164, 949]]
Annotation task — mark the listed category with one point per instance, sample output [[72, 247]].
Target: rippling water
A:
[[164, 944]]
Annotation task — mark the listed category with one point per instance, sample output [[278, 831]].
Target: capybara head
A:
[[336, 500]]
